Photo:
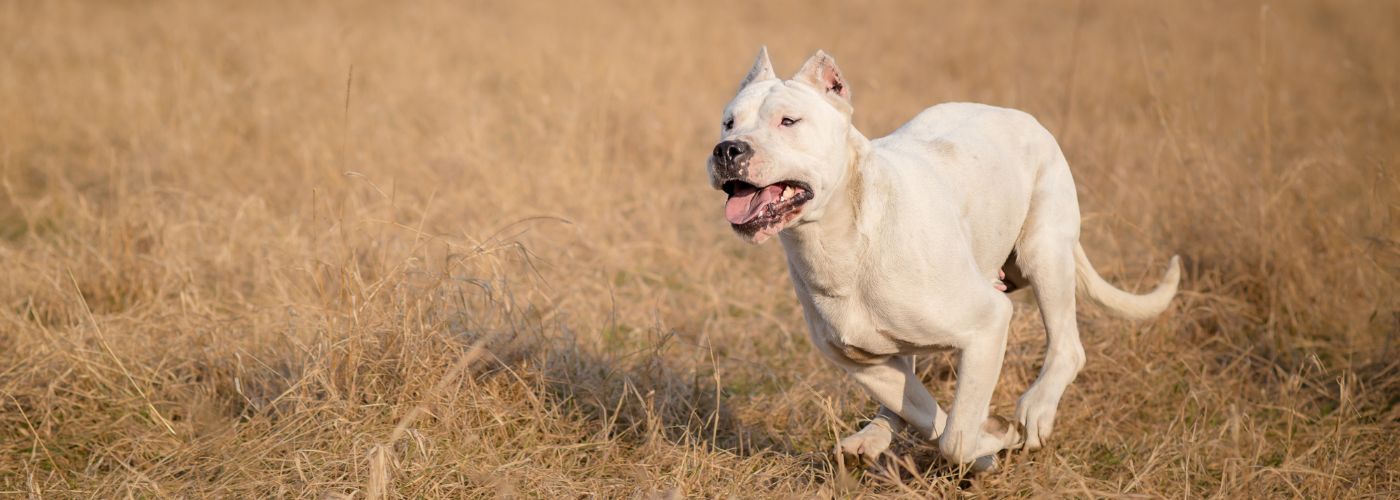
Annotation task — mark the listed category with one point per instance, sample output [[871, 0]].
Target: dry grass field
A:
[[466, 249]]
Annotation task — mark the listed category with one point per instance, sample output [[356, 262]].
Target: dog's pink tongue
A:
[[747, 203]]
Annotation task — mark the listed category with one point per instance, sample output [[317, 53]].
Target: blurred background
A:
[[248, 245]]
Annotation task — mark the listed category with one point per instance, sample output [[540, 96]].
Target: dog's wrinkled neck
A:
[[824, 252]]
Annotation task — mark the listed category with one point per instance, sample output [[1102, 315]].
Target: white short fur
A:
[[898, 251]]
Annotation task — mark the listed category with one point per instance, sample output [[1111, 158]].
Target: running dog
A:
[[895, 247]]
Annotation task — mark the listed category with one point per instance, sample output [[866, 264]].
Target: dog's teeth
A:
[[787, 192]]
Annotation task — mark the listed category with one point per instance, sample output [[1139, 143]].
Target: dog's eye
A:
[[729, 124], [788, 122]]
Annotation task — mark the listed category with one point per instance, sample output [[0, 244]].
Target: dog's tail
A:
[[1119, 302]]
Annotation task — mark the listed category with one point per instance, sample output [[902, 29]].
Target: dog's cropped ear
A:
[[762, 69], [820, 71]]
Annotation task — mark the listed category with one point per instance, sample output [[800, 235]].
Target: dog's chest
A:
[[845, 325], [864, 328]]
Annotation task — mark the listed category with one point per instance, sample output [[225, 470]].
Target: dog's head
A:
[[783, 146]]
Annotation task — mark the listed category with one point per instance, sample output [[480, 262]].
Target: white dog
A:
[[895, 247]]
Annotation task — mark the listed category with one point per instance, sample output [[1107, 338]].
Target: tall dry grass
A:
[[322, 249]]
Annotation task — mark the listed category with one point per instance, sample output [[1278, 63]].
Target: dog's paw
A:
[[866, 446], [1037, 417], [984, 465], [1011, 434]]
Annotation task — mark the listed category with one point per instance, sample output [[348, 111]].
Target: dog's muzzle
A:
[[731, 159]]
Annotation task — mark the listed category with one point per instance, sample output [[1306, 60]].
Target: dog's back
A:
[[984, 159]]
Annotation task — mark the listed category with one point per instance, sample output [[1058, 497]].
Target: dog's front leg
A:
[[971, 435], [903, 400]]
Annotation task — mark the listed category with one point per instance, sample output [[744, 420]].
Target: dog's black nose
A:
[[732, 157], [730, 151]]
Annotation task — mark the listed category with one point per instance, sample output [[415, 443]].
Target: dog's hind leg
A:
[[1046, 254], [1064, 355]]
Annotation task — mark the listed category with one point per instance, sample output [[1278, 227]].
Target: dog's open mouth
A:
[[751, 209]]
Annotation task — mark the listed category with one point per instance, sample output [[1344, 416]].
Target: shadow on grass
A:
[[639, 396]]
